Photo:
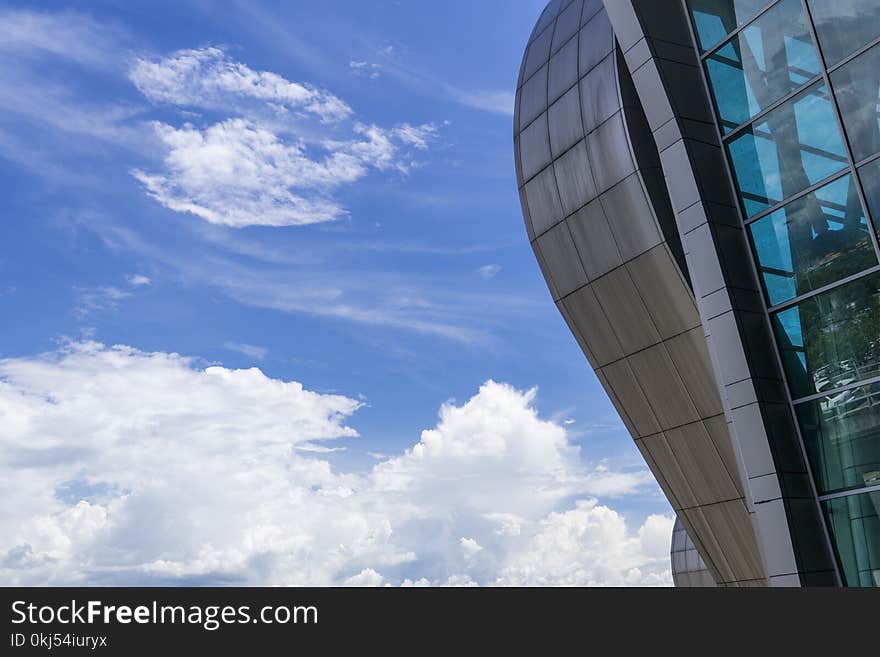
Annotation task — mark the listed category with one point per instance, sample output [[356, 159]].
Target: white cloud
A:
[[207, 78], [495, 102], [591, 545], [121, 466], [265, 164], [470, 546], [367, 577], [63, 34], [418, 136], [138, 280], [400, 67], [250, 350], [489, 271], [98, 299], [365, 69], [238, 174]]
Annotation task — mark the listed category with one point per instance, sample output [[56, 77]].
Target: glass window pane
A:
[[766, 61], [854, 523], [842, 436], [857, 87], [715, 19], [870, 177], [794, 146], [833, 339], [844, 26], [813, 241]]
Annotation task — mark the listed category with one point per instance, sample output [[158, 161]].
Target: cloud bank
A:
[[127, 467]]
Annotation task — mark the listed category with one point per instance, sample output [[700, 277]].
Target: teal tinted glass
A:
[[764, 62], [854, 522], [857, 87], [842, 436], [792, 147], [815, 240], [832, 339], [715, 19], [844, 26]]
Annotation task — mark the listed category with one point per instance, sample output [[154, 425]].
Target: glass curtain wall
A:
[[796, 88]]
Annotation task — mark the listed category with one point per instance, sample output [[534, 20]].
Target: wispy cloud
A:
[[496, 102], [489, 271], [98, 299], [32, 45], [371, 297], [69, 35], [250, 350], [365, 69], [388, 61], [138, 280]]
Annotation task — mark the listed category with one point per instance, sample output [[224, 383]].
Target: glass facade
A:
[[813, 241], [744, 71], [857, 87], [845, 25], [785, 151], [715, 19], [796, 88], [831, 340], [854, 521], [842, 435]]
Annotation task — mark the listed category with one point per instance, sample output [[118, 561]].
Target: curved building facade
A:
[[699, 181]]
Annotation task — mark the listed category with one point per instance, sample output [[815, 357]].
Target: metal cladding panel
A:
[[604, 231]]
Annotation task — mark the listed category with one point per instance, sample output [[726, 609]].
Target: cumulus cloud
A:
[[266, 163], [591, 545], [125, 467]]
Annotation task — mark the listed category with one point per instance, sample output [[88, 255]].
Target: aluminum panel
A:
[[575, 178]]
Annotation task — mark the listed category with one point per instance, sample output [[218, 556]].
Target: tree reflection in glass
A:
[[857, 88], [833, 339], [813, 241], [767, 60], [796, 145], [842, 436], [855, 525]]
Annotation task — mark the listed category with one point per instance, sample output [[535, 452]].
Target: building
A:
[[700, 182]]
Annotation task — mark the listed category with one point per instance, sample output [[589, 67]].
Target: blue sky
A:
[[322, 191]]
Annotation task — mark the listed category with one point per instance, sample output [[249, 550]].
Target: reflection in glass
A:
[[870, 177], [715, 19], [844, 26], [857, 87], [813, 241], [854, 522], [833, 339], [842, 436], [792, 147], [766, 61]]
